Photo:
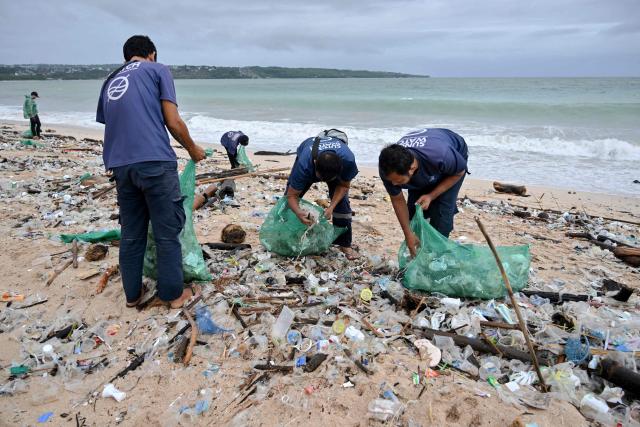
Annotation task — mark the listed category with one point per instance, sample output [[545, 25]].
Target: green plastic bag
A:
[[27, 134], [93, 237], [283, 233], [244, 160], [193, 266], [31, 143], [456, 270]]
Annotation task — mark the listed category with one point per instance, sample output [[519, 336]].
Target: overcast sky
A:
[[435, 37]]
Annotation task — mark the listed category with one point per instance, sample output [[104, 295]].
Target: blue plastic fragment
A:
[[206, 325], [45, 417]]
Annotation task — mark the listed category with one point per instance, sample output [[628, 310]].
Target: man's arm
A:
[[179, 130], [341, 190], [293, 199], [402, 213], [425, 200]]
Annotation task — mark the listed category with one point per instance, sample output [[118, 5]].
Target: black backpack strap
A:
[[314, 148]]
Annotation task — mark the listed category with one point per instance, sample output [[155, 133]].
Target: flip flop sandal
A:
[[143, 293]]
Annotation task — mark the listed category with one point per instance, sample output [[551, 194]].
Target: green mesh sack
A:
[[456, 270], [283, 233], [193, 266], [27, 134], [243, 159]]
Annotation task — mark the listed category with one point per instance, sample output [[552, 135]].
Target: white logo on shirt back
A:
[[118, 87]]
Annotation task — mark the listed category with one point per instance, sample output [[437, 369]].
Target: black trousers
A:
[[233, 160], [36, 126]]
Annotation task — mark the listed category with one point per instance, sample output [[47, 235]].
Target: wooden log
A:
[[224, 174], [519, 190], [227, 246], [619, 375], [479, 345], [555, 297], [514, 303], [102, 192], [630, 256], [246, 175], [274, 153], [276, 368], [200, 199]]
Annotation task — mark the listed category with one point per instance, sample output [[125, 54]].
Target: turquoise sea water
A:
[[578, 133]]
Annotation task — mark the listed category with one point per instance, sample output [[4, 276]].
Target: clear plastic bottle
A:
[[282, 325]]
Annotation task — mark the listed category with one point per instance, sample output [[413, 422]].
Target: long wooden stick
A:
[[56, 273], [192, 340], [516, 307], [102, 192], [211, 180]]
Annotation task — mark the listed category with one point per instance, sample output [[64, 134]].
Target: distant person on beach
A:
[[325, 158], [431, 164], [136, 102], [230, 141], [30, 111]]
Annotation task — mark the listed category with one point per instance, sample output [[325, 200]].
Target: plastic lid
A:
[[338, 326], [366, 295]]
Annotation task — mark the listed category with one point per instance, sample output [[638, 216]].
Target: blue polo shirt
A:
[[230, 141], [440, 153], [130, 106], [303, 173]]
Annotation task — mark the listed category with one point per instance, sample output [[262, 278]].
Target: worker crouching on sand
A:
[[431, 164], [325, 158], [136, 102], [230, 141]]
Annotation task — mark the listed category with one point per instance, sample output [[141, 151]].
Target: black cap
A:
[[35, 94]]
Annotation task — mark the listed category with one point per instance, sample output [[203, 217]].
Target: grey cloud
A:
[[439, 37]]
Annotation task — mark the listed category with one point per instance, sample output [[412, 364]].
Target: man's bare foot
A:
[[349, 253], [187, 294]]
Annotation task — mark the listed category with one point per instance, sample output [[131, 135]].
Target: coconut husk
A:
[[233, 233], [96, 252]]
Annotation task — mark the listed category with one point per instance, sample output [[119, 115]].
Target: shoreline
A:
[[620, 206]]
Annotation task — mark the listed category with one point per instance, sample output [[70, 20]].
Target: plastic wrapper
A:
[[283, 233], [193, 266], [456, 270]]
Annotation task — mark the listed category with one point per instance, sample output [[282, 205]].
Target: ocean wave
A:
[[367, 141]]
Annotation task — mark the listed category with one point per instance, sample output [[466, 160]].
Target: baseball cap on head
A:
[[35, 94]]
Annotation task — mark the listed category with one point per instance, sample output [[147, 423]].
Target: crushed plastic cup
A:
[[591, 405], [111, 391], [384, 409], [282, 325], [354, 334], [451, 303]]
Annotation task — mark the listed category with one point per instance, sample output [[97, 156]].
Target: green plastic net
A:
[[27, 134], [193, 266], [456, 270], [93, 237], [31, 143], [283, 233], [244, 160]]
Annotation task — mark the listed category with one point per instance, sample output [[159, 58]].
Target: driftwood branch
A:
[[192, 339], [514, 303], [519, 190], [57, 272], [104, 279]]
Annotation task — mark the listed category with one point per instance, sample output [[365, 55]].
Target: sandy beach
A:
[[559, 263]]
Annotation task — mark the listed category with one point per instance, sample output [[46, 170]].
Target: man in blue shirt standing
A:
[[326, 158], [431, 164], [230, 141], [136, 102]]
